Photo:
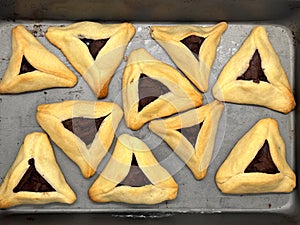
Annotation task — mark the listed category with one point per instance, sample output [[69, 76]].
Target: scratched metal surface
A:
[[17, 118]]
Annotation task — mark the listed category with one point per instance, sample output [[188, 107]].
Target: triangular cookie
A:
[[32, 67], [150, 183], [95, 50], [254, 75], [83, 130], [257, 163], [35, 177], [192, 48], [192, 135], [152, 89]]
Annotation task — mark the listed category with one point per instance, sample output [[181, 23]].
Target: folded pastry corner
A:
[[95, 50], [27, 72], [254, 75], [133, 175], [152, 89], [257, 163], [84, 130], [192, 48], [191, 135], [35, 177]]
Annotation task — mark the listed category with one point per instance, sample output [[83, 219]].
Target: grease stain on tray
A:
[[38, 30]]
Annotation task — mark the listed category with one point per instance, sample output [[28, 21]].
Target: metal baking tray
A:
[[197, 201]]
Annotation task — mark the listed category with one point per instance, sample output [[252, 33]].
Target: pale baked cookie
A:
[[84, 130], [257, 163], [133, 175], [35, 177], [254, 75], [192, 48], [32, 67], [152, 89], [95, 50], [191, 135]]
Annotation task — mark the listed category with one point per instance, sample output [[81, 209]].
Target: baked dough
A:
[[87, 156], [197, 157], [178, 94], [98, 68], [275, 93], [37, 151], [195, 67], [27, 51], [233, 177], [106, 188]]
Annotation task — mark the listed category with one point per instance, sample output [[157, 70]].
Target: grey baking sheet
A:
[[17, 118]]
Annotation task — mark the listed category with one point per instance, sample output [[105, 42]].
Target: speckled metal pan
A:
[[17, 118]]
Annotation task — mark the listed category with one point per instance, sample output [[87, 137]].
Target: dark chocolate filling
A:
[[26, 67], [84, 128], [262, 162], [32, 181], [135, 176], [191, 133], [94, 46], [254, 71], [194, 43], [149, 90]]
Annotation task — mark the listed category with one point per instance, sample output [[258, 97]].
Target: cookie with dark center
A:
[[256, 62], [35, 177], [32, 181], [262, 162], [26, 67], [149, 90], [153, 89], [194, 43], [94, 46], [191, 133], [135, 176], [84, 128], [32, 67], [254, 71], [257, 163], [83, 41], [183, 43]]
